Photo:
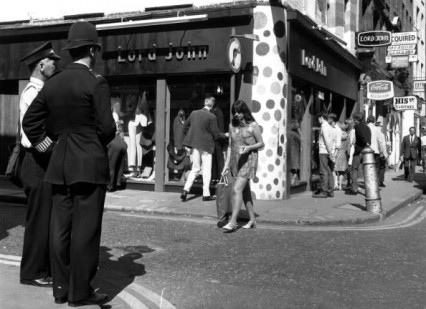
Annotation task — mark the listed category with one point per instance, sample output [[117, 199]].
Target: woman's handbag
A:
[[224, 196], [13, 169]]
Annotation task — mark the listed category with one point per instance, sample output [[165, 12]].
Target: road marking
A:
[[159, 300], [10, 260], [411, 220], [130, 300]]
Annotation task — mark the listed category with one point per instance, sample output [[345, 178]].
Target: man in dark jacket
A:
[[410, 151], [74, 106], [362, 139], [201, 131]]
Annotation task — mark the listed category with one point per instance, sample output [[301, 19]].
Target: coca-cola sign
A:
[[380, 90]]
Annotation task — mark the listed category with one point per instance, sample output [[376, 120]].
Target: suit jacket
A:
[[362, 137], [410, 150], [201, 131], [75, 106]]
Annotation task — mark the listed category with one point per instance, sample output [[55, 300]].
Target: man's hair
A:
[[371, 119], [211, 98], [412, 128], [323, 115], [357, 117], [81, 52], [332, 116]]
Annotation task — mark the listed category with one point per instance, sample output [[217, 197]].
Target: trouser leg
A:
[[195, 170], [206, 159], [35, 263]]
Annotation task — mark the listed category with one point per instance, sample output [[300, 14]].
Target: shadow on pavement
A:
[[114, 275]]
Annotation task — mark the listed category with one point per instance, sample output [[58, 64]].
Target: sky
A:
[[45, 9]]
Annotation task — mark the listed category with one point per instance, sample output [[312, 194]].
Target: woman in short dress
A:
[[245, 139], [341, 164]]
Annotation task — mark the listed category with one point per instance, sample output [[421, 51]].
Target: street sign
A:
[[419, 85], [380, 90], [405, 103], [374, 38], [400, 62], [401, 38]]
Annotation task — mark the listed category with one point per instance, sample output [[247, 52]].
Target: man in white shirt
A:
[[326, 158], [378, 144], [423, 143], [35, 264], [337, 140]]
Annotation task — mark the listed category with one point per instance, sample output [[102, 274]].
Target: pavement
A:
[[301, 209]]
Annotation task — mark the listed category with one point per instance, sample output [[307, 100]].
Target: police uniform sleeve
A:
[[105, 124], [33, 124]]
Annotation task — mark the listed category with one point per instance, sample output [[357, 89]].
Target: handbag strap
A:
[[224, 179]]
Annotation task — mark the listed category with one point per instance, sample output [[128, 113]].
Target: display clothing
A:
[[294, 150], [243, 165], [342, 154]]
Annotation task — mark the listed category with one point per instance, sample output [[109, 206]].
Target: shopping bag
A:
[[13, 169], [223, 196]]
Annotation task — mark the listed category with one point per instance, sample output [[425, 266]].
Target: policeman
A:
[[75, 106], [35, 264]]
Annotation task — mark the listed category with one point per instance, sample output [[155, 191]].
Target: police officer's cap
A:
[[41, 52], [82, 33]]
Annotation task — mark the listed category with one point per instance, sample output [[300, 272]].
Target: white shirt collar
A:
[[37, 81]]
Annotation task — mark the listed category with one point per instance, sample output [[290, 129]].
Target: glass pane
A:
[[133, 101], [187, 93]]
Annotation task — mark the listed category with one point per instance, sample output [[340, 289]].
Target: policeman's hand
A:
[[225, 170]]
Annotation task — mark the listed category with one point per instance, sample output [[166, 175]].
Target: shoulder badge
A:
[[95, 75]]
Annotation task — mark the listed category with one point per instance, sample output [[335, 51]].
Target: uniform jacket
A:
[[410, 150], [201, 131], [75, 107], [362, 137]]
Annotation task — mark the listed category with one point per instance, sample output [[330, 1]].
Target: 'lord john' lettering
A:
[[152, 54]]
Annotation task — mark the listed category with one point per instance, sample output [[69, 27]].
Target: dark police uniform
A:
[[35, 263], [75, 106]]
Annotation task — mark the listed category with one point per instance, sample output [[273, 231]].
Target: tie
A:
[[411, 139]]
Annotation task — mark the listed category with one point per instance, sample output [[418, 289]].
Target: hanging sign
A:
[[419, 85], [380, 90], [405, 103], [374, 38]]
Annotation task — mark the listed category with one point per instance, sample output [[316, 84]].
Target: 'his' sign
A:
[[405, 103]]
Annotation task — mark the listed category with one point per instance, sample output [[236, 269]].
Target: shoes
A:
[[381, 184], [184, 195], [330, 194], [250, 225], [61, 300], [209, 198], [43, 282], [320, 194], [230, 227], [94, 299], [350, 192]]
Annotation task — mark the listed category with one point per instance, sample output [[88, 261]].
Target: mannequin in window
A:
[[295, 151], [138, 121]]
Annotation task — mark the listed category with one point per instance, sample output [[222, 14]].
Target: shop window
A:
[[187, 94], [133, 104]]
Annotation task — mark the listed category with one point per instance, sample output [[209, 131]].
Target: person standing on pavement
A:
[[384, 154], [326, 158], [218, 155], [245, 140], [337, 145], [350, 148], [35, 264], [423, 143], [75, 106], [362, 139], [410, 151], [378, 144], [201, 131]]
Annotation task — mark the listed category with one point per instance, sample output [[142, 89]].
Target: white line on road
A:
[[132, 301]]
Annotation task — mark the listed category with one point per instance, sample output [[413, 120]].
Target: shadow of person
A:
[[10, 217], [114, 275]]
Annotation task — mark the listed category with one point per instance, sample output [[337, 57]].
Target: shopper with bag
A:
[[245, 140], [35, 264]]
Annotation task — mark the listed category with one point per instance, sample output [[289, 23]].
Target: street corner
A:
[[131, 295]]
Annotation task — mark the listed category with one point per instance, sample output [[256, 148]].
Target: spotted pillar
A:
[[269, 100]]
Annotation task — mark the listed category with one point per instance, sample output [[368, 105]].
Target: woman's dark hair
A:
[[240, 106]]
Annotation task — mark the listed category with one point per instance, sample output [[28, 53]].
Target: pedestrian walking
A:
[[410, 151], [362, 139], [337, 144], [76, 103], [350, 148], [326, 158], [245, 140], [201, 131], [35, 264], [341, 165]]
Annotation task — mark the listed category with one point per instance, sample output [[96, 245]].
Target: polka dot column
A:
[[269, 101]]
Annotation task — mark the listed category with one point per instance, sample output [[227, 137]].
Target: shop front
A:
[[323, 76]]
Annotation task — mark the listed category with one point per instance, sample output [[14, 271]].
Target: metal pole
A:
[[372, 193]]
